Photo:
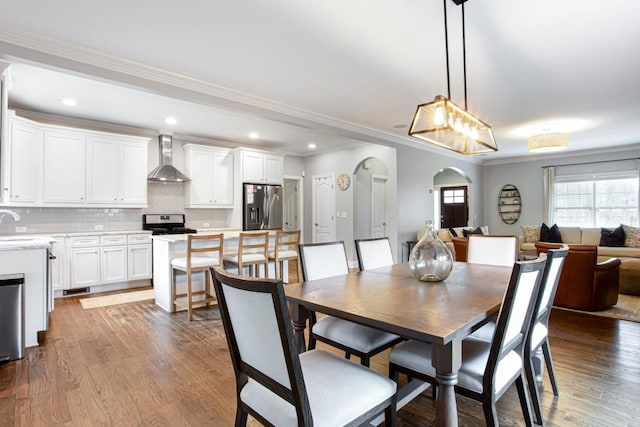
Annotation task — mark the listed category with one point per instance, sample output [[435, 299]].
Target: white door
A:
[[113, 266], [133, 176], [290, 203], [62, 183], [85, 267], [324, 201], [26, 153], [378, 205], [139, 262]]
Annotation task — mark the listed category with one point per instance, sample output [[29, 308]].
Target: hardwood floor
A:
[[134, 364]]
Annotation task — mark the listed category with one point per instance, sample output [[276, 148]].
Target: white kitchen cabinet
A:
[[85, 261], [65, 166], [261, 168], [211, 173], [139, 260], [117, 171], [113, 264], [22, 157], [58, 263]]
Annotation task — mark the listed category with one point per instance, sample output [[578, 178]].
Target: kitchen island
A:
[[30, 256], [169, 246]]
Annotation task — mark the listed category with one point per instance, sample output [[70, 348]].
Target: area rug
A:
[[627, 308], [115, 299]]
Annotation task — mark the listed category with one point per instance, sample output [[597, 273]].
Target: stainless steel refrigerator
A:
[[262, 207]]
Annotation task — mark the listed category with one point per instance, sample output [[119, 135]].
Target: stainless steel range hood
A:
[[166, 172]]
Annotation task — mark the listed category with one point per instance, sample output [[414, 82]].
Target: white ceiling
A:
[[333, 72]]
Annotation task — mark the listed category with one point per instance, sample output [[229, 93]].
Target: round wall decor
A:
[[343, 181], [509, 204]]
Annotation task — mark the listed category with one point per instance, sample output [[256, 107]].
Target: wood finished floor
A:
[[135, 365]]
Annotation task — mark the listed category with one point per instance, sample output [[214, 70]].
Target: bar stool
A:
[[253, 247], [201, 245], [285, 249]]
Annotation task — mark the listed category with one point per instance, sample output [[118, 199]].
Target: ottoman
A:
[[630, 276]]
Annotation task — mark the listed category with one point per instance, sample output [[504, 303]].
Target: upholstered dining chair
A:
[[492, 250], [324, 260], [203, 251], [374, 253], [253, 251], [276, 385], [285, 249], [539, 332], [488, 369]]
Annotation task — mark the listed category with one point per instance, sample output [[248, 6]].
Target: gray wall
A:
[[527, 176]]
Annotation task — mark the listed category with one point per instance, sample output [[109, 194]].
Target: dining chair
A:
[[373, 253], [285, 250], [324, 260], [253, 251], [492, 250], [488, 369], [539, 331], [203, 251], [280, 387]]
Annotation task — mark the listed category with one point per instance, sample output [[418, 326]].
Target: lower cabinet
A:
[[111, 258]]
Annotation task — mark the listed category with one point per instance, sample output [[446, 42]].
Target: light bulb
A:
[[474, 132], [452, 119], [465, 129], [438, 116], [458, 124]]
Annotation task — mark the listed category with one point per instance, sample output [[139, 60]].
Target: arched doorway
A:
[[451, 198], [369, 199]]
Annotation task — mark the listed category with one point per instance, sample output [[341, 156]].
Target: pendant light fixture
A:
[[444, 123]]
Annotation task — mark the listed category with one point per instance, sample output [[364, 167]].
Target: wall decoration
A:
[[509, 204]]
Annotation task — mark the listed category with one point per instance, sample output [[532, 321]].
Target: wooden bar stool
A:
[[285, 250], [203, 246], [253, 248]]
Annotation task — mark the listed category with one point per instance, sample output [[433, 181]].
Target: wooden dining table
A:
[[391, 299]]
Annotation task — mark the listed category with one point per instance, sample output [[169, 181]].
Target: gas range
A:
[[165, 224]]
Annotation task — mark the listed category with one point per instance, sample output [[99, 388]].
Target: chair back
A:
[[204, 245], [550, 280], [286, 243], [253, 242], [258, 328], [320, 260], [374, 253], [513, 325], [492, 250]]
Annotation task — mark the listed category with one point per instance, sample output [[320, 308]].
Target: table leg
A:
[[446, 360], [299, 316]]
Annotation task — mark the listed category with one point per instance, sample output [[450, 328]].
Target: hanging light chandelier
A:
[[444, 123]]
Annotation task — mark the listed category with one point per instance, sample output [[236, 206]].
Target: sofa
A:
[[629, 256], [447, 237]]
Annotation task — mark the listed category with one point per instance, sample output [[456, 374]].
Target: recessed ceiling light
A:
[[70, 102], [400, 126], [312, 145], [170, 120], [254, 135]]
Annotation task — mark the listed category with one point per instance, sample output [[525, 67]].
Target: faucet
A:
[[4, 212]]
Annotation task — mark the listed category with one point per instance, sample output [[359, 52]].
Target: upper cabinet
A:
[[261, 168], [211, 173], [117, 171], [22, 156], [45, 165]]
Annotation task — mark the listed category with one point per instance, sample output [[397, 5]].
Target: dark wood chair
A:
[[278, 386], [488, 368], [323, 260]]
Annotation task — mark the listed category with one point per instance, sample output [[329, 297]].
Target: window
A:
[[602, 200], [454, 196]]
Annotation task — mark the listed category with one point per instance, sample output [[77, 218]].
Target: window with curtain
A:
[[605, 199]]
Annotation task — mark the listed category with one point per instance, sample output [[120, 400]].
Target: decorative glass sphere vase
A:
[[430, 259]]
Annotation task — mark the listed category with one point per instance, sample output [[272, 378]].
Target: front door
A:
[[454, 207]]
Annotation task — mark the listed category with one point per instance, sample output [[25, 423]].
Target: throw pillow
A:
[[531, 233], [453, 232], [477, 230], [550, 235], [631, 236], [612, 237]]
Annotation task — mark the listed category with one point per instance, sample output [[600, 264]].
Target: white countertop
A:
[[229, 233], [43, 240], [16, 243]]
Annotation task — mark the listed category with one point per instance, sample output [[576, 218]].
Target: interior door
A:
[[290, 203], [454, 207], [324, 224], [378, 206]]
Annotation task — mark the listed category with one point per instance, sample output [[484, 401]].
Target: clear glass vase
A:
[[430, 259]]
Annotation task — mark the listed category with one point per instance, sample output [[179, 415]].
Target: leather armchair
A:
[[460, 244], [584, 283]]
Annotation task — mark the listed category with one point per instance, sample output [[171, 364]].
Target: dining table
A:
[[392, 299]]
